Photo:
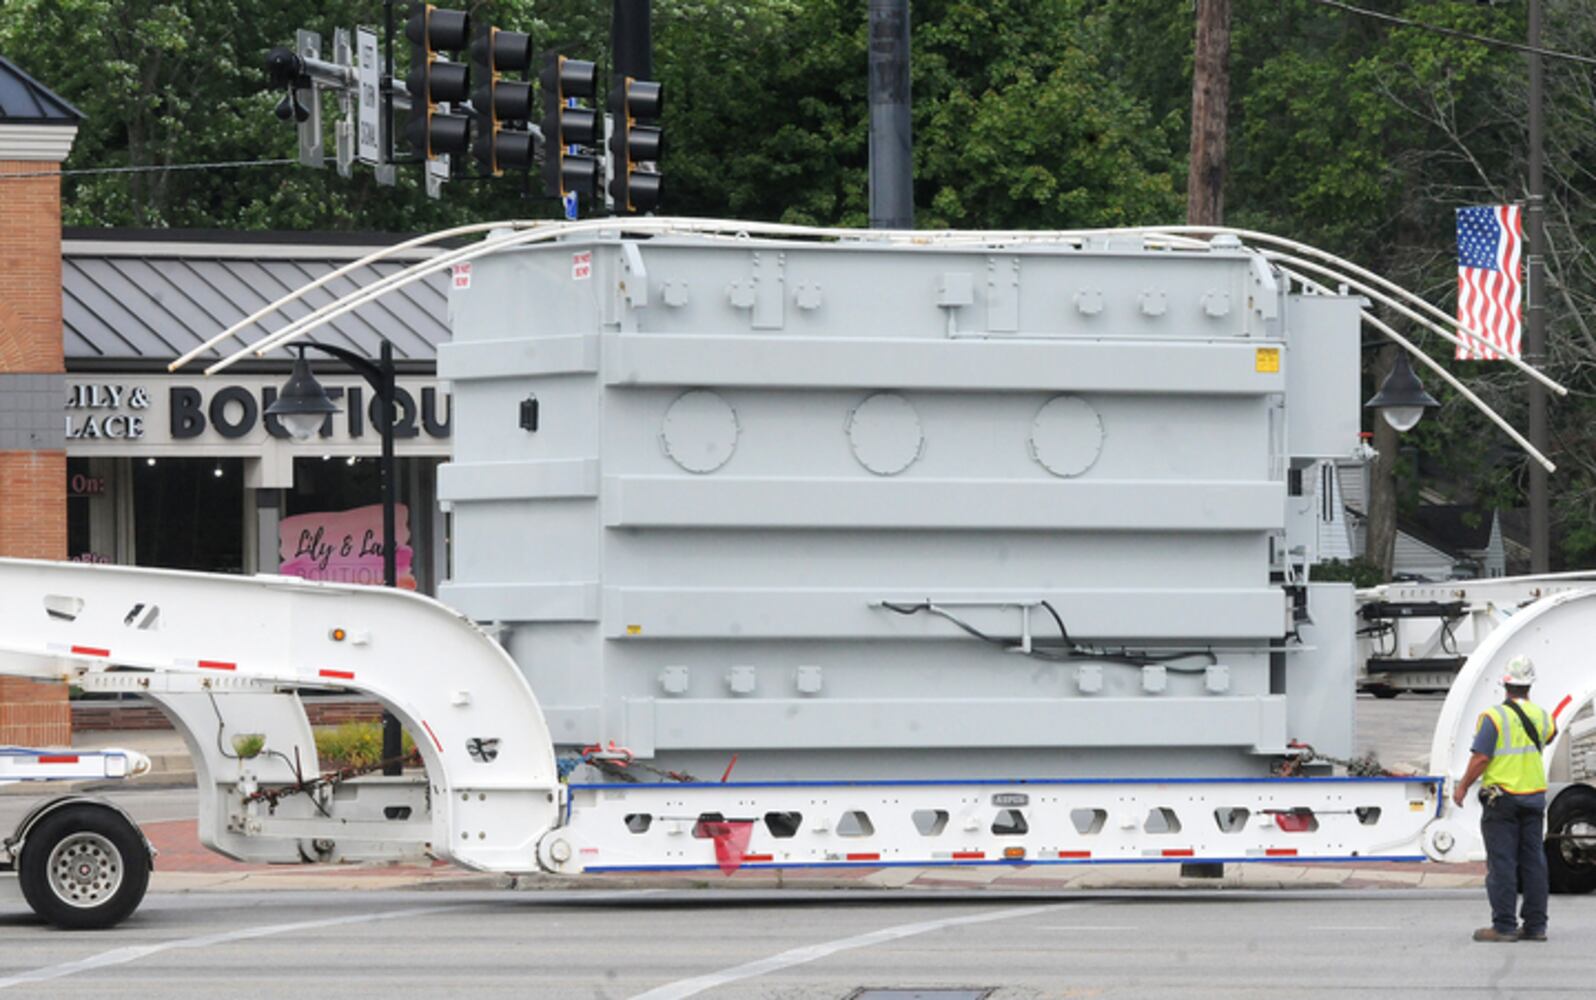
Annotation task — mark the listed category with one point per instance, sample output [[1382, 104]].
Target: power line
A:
[[150, 168], [1455, 33]]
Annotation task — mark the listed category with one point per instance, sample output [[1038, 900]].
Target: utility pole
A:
[[891, 138], [1210, 99], [1535, 305]]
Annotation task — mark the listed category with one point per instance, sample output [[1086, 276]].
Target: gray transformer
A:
[[757, 498]]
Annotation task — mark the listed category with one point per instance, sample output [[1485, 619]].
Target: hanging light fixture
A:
[[1402, 399], [302, 405]]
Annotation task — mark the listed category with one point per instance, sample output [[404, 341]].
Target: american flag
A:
[[1490, 241]]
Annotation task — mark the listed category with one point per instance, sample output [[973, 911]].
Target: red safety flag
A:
[[731, 841]]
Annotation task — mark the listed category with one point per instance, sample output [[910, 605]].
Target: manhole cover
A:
[[913, 994]]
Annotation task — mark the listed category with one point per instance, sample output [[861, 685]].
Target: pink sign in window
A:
[[344, 546]]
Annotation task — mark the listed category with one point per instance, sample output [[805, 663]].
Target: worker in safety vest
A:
[[1507, 752]]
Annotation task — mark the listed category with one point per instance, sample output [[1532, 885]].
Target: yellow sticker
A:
[[1267, 360], [634, 630], [1416, 807]]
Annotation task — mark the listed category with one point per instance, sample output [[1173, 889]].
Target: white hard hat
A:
[[1520, 671]]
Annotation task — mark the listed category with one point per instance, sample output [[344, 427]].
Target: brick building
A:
[[37, 129]]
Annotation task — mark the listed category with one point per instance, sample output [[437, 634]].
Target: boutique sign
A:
[[171, 414]]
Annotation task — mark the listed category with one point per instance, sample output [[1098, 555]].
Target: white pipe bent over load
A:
[[1556, 633], [446, 680]]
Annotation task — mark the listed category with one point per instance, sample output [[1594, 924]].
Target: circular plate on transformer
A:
[[700, 431], [885, 434], [1066, 436]]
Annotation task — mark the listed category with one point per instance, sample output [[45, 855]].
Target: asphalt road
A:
[[790, 945]]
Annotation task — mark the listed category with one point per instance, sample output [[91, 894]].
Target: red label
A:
[[582, 265]]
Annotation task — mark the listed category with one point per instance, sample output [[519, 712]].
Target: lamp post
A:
[[302, 406], [1402, 399]]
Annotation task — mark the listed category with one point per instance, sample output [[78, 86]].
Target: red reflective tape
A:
[[91, 651], [1178, 852], [1074, 854], [1567, 698], [968, 855], [864, 857], [57, 759], [758, 857], [217, 665], [432, 734], [343, 675], [1280, 852]]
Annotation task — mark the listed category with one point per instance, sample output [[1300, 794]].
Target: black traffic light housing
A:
[[559, 79], [504, 107], [635, 188], [433, 81]]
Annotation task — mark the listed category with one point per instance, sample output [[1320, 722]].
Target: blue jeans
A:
[[1515, 861]]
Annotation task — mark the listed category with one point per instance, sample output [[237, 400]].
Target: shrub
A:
[[354, 744]]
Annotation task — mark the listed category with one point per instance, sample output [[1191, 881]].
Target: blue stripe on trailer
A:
[[1015, 863], [991, 782]]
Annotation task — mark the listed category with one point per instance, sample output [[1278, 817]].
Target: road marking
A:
[[132, 953], [809, 953]]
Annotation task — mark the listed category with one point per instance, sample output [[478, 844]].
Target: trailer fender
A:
[[11, 848], [1554, 632]]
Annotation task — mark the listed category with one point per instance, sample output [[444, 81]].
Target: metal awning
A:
[[139, 301]]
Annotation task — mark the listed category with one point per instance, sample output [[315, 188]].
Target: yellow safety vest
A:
[[1515, 764]]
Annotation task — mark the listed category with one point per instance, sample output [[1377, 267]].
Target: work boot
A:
[[1492, 934], [1524, 935]]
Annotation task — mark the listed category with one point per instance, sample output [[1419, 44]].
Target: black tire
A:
[[1571, 870], [1382, 690], [84, 867]]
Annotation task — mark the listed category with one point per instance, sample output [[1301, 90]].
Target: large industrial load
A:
[[862, 508], [912, 549]]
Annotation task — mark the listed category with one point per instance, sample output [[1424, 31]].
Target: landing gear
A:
[[1571, 840], [84, 867]]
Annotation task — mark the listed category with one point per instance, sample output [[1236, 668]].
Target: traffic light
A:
[[564, 126], [433, 81], [633, 187], [503, 106]]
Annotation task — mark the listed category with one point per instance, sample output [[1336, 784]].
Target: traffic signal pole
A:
[[891, 138], [631, 39], [1535, 311]]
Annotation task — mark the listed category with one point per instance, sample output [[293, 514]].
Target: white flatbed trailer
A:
[[224, 656]]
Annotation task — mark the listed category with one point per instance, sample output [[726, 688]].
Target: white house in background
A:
[[1440, 541]]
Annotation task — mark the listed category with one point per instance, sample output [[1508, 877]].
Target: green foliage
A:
[[1357, 571], [354, 744]]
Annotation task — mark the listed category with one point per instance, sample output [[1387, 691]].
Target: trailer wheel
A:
[[84, 867], [1571, 840]]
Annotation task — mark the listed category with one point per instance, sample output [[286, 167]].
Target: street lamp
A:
[[1402, 399], [302, 406]]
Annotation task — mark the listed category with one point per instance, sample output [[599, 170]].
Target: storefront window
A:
[[188, 513], [331, 525], [79, 497]]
